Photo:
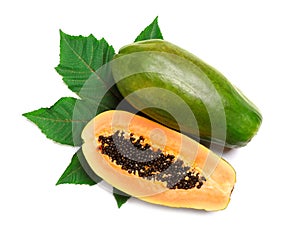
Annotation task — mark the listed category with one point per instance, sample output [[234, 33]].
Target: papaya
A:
[[179, 90], [156, 164]]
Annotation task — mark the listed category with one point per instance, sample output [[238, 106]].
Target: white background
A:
[[256, 44]]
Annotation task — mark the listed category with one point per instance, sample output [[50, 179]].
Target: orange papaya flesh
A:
[[156, 164]]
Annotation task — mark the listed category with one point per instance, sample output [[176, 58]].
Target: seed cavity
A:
[[137, 157]]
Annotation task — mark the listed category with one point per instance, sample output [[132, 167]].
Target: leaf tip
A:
[[152, 31], [120, 203], [25, 114], [64, 37], [30, 115], [120, 197], [58, 183], [62, 33]]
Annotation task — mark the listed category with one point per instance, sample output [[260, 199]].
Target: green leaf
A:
[[78, 172], [63, 122], [150, 32], [84, 66], [120, 197], [80, 57], [82, 61], [55, 122]]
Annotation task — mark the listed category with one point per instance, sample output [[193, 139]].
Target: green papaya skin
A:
[[220, 112]]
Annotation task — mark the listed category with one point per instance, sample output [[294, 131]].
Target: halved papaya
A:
[[156, 164]]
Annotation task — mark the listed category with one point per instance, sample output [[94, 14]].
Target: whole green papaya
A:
[[177, 89]]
